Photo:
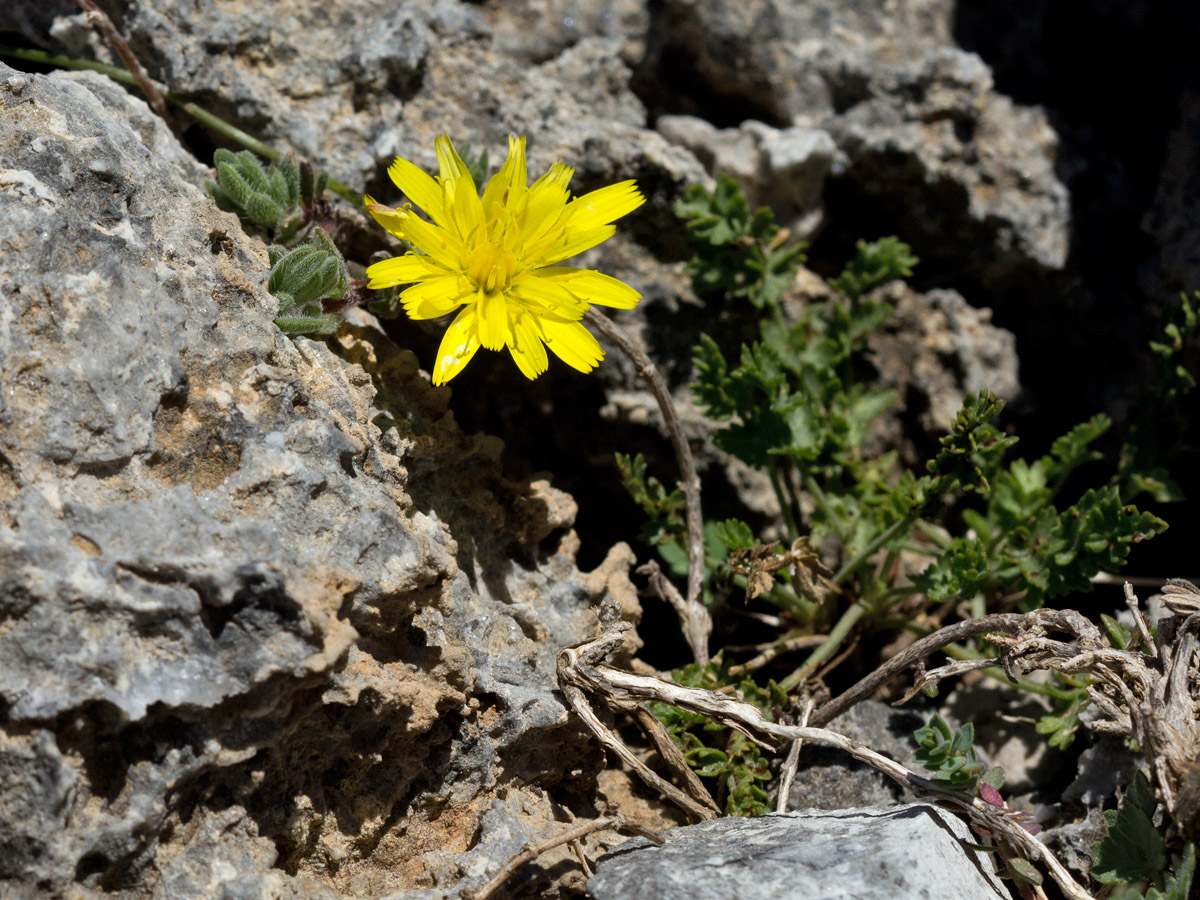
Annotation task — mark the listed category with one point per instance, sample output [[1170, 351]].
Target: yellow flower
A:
[[494, 256]]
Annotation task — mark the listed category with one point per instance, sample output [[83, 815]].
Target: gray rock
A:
[[827, 778], [926, 140], [783, 169], [270, 623], [936, 348], [537, 30], [966, 171], [913, 851]]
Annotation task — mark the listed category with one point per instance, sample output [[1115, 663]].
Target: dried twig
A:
[[697, 625], [530, 853], [1034, 622], [768, 652], [580, 670], [1141, 634], [788, 773], [673, 757], [594, 651], [98, 17]]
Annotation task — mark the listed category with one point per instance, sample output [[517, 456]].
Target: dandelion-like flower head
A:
[[493, 258]]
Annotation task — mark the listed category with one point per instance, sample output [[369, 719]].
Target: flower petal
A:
[[547, 299], [493, 320], [401, 270], [547, 198], [603, 206], [435, 297], [575, 242], [466, 211], [391, 219], [507, 187], [419, 187], [442, 246], [459, 344], [526, 347], [573, 344], [450, 164], [591, 286]]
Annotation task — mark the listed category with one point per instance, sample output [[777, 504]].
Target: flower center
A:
[[491, 267]]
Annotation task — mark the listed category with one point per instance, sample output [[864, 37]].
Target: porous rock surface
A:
[[851, 854], [271, 625], [922, 135]]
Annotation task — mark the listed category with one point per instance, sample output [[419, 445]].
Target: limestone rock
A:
[[956, 167], [827, 778], [936, 348], [783, 169], [269, 621], [902, 853]]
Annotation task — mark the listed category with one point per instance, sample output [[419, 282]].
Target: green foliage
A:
[[1070, 698], [877, 263], [305, 279], [1162, 428], [717, 752], [949, 756], [974, 447], [959, 572], [793, 404], [738, 253], [1132, 850], [274, 197], [664, 509]]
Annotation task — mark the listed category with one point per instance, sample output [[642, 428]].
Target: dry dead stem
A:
[[1146, 691]]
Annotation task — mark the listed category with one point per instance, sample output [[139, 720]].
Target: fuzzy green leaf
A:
[[262, 210]]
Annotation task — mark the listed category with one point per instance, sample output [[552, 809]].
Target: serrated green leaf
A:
[[875, 264], [957, 572], [735, 534], [1133, 850]]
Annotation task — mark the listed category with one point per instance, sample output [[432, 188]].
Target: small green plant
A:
[[738, 253], [664, 509], [887, 259], [279, 198], [716, 751], [949, 755], [794, 405], [1133, 854], [310, 282], [1162, 429], [285, 200]]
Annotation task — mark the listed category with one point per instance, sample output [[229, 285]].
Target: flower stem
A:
[[699, 624]]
